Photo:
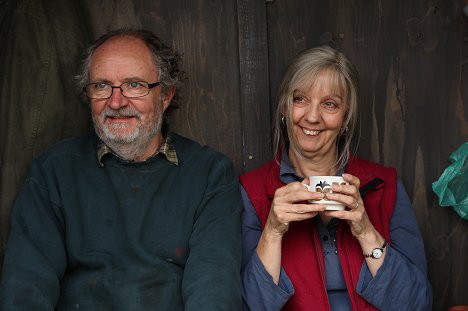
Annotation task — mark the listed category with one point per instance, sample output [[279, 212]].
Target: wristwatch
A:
[[377, 252]]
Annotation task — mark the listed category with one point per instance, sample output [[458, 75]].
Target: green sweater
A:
[[125, 236]]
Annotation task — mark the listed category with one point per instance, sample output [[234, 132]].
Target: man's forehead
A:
[[123, 53], [123, 42]]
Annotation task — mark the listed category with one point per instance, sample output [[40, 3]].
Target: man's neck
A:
[[138, 152]]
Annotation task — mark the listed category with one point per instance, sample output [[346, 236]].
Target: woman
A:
[[299, 256]]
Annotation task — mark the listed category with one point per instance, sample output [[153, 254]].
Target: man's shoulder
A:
[[80, 146], [186, 148], [202, 159]]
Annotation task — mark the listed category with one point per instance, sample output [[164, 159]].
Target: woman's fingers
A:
[[294, 193], [289, 204]]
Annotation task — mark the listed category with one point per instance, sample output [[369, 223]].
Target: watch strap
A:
[[381, 248]]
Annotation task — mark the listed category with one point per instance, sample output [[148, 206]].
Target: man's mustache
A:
[[121, 112]]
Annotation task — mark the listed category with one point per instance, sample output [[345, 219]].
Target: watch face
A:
[[377, 253]]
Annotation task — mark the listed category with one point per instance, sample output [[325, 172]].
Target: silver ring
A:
[[357, 204]]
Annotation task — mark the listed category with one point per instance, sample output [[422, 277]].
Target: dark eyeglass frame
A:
[[149, 86]]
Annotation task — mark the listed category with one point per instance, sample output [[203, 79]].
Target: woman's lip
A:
[[310, 132]]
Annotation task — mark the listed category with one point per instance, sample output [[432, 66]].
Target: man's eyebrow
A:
[[128, 79]]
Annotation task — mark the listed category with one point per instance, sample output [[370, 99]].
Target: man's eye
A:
[[101, 86], [135, 85]]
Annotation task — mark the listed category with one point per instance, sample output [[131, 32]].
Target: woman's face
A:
[[317, 113]]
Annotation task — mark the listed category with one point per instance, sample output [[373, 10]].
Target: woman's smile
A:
[[310, 132]]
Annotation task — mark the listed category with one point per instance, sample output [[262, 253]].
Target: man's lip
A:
[[120, 117]]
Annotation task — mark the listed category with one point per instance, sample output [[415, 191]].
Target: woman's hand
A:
[[355, 213], [290, 203], [356, 216]]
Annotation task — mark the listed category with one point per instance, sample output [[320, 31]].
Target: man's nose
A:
[[117, 100]]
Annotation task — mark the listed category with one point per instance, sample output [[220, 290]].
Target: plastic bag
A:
[[452, 185]]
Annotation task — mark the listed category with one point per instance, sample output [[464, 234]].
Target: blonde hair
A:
[[304, 70]]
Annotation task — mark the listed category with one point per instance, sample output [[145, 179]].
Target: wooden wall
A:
[[412, 57]]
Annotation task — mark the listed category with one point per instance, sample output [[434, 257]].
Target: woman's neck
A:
[[313, 166]]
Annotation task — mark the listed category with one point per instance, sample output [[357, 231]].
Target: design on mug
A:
[[324, 187]]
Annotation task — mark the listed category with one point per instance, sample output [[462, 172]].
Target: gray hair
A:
[[303, 71], [167, 61]]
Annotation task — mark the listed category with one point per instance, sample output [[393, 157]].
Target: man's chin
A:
[[119, 137]]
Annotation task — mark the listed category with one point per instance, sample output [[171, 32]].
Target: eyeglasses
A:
[[131, 89]]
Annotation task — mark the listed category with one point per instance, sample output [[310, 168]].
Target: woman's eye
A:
[[330, 104], [298, 99]]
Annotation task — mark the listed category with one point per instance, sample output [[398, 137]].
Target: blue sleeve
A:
[[258, 289], [35, 257], [401, 283]]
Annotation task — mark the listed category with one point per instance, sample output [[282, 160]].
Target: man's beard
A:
[[130, 145]]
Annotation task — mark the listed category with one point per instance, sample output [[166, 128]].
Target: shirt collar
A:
[[288, 173], [167, 149]]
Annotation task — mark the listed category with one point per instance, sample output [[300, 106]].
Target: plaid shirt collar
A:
[[167, 148]]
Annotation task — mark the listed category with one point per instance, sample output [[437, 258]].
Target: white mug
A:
[[323, 184]]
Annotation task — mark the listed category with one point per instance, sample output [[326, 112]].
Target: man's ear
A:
[[167, 96]]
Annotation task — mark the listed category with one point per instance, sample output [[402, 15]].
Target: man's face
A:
[[130, 126]]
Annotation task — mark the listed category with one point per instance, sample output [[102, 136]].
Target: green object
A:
[[452, 186]]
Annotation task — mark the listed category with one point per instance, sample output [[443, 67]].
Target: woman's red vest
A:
[[302, 255]]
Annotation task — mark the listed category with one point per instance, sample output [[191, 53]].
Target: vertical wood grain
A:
[[205, 33], [253, 61], [412, 58]]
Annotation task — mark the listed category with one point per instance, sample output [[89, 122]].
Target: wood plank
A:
[[412, 60], [413, 102], [253, 66], [203, 32]]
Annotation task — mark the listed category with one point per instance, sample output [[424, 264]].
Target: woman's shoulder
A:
[[270, 167], [355, 161], [369, 170]]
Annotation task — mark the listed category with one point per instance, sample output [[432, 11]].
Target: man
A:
[[129, 217]]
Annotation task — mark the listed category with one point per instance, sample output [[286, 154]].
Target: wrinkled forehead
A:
[[125, 57], [123, 45]]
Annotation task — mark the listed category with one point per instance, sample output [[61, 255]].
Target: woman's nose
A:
[[312, 113]]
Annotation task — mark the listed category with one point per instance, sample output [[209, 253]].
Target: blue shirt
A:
[[400, 284]]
